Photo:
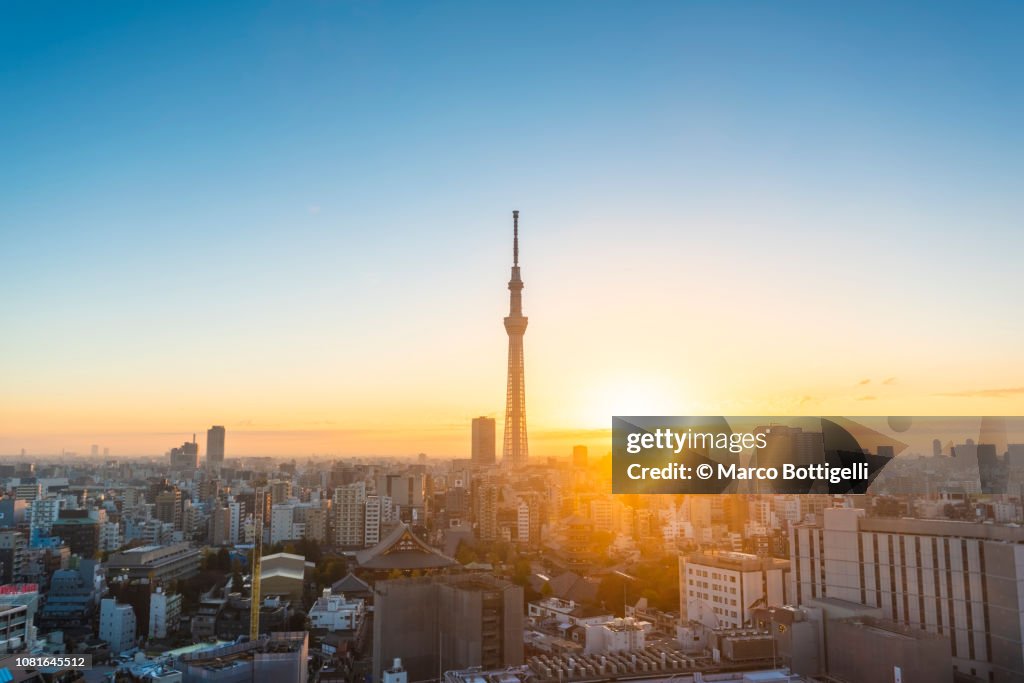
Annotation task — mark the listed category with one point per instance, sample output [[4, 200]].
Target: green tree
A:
[[238, 584], [329, 571], [223, 560], [465, 553]]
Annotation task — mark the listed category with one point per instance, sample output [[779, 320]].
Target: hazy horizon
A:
[[296, 220]]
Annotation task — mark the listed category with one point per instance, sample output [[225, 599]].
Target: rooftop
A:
[[742, 562], [402, 549]]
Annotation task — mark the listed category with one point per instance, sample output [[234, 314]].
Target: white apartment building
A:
[[523, 521], [282, 523], [42, 514], [164, 613], [617, 635], [566, 612], [336, 612], [117, 625], [110, 536], [371, 521], [723, 588], [235, 533]]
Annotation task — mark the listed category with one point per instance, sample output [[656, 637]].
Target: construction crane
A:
[[257, 556]]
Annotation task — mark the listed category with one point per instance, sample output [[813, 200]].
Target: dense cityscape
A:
[[426, 568], [199, 566]]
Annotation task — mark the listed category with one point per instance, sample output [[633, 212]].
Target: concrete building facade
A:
[[960, 580], [447, 622], [725, 587]]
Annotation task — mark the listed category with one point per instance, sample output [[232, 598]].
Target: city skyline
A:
[[261, 296], [290, 224]]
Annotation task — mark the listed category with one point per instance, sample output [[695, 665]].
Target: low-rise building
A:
[[281, 658], [567, 613], [336, 612], [117, 625], [617, 635], [14, 628], [721, 589], [154, 563], [285, 574], [72, 598]]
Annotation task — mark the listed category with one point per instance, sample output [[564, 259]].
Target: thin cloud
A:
[[985, 393], [890, 380], [863, 382]]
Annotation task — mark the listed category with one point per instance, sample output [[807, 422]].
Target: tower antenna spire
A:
[[515, 238]]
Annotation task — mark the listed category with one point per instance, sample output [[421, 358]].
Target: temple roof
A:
[[350, 583], [402, 549]]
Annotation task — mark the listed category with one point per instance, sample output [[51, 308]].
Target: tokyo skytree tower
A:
[[515, 451]]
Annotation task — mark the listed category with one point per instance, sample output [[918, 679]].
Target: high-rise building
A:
[[407, 493], [282, 523], [79, 531], [220, 526], [349, 507], [185, 456], [280, 492], [12, 556], [447, 622], [28, 491], [164, 613], [371, 521], [215, 446], [237, 509], [317, 524], [14, 512], [483, 440], [515, 451], [579, 457], [168, 507], [486, 510], [957, 579]]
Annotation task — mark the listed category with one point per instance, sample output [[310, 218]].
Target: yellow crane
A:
[[257, 556]]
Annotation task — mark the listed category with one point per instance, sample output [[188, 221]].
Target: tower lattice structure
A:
[[515, 451]]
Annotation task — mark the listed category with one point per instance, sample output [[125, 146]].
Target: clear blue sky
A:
[[309, 202]]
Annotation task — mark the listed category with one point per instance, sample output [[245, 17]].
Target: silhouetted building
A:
[[185, 456], [579, 457], [483, 440], [79, 531], [168, 507], [215, 446]]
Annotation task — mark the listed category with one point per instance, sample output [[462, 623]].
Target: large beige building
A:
[[961, 580], [285, 575]]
